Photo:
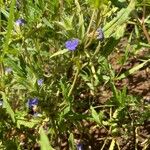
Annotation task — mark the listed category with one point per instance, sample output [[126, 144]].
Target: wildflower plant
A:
[[60, 61]]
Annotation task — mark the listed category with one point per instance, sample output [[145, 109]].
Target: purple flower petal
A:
[[20, 22], [72, 44], [40, 82], [79, 146], [100, 34], [32, 102]]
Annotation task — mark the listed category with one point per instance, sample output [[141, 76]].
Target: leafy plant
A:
[[63, 65]]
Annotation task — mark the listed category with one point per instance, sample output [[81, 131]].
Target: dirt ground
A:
[[138, 83]]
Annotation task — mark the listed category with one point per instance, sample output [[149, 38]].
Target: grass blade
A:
[[59, 53], [132, 70]]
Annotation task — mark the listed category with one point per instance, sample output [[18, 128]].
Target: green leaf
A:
[[97, 3], [61, 52], [144, 45], [132, 70], [46, 22], [120, 31], [44, 141], [78, 6], [95, 115], [8, 107], [29, 124], [109, 47], [10, 26], [4, 12], [66, 24], [122, 17], [81, 26], [71, 142], [18, 70]]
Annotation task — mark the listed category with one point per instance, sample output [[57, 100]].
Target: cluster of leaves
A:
[[58, 52]]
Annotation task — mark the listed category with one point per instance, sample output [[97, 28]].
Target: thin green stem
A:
[[98, 21], [74, 82], [89, 27], [90, 24]]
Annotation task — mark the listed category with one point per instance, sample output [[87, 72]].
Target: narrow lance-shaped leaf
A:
[[61, 52], [26, 123], [71, 142], [17, 69], [95, 115], [44, 141], [8, 107], [132, 70], [10, 25], [122, 17]]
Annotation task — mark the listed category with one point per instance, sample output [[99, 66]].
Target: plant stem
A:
[[90, 24], [73, 84], [143, 24], [89, 27]]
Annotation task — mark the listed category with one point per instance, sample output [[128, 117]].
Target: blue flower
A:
[[79, 146], [32, 102], [72, 44], [20, 22], [100, 34], [8, 70], [40, 82]]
